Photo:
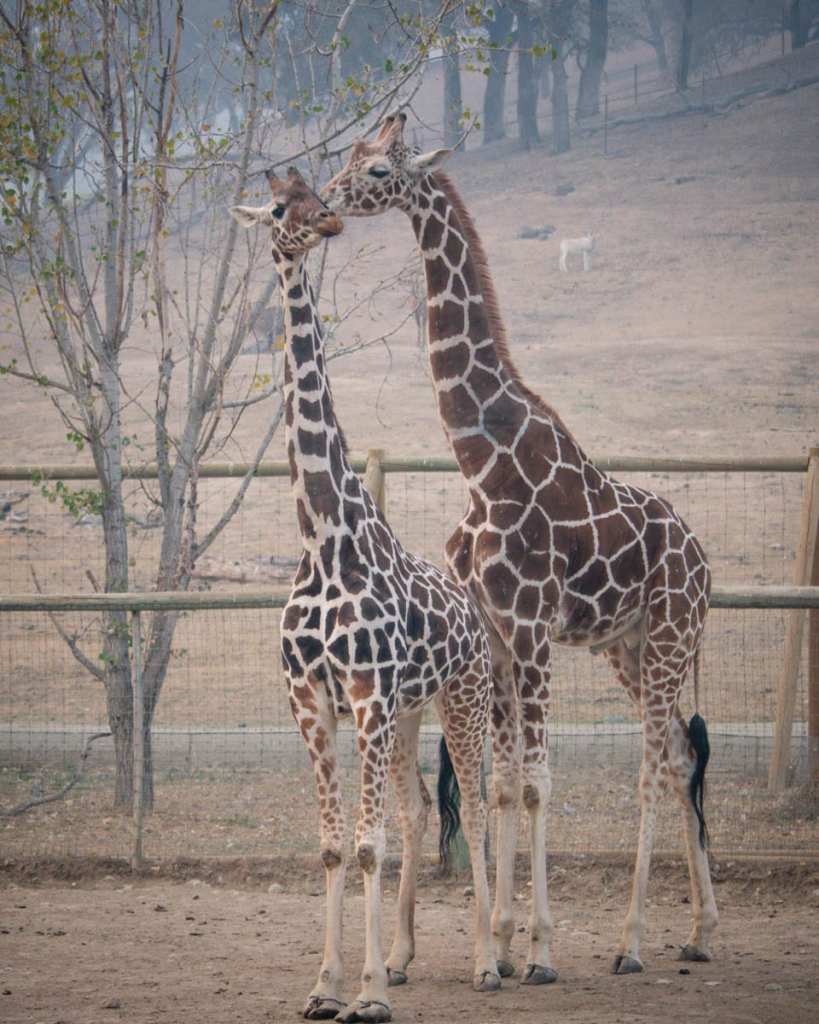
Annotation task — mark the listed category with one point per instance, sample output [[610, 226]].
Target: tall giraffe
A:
[[369, 630], [554, 550]]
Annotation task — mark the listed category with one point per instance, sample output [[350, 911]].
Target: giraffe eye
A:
[[278, 211], [379, 172]]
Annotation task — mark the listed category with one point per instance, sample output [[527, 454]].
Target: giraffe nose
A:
[[329, 223]]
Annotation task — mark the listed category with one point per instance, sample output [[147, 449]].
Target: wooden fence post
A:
[[804, 572], [374, 479], [138, 739], [813, 656]]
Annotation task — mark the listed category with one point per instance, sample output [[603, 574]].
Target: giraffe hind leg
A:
[[667, 754], [685, 757]]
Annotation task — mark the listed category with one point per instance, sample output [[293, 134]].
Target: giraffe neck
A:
[[481, 400], [320, 474]]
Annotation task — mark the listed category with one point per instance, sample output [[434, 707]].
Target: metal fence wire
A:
[[232, 777]]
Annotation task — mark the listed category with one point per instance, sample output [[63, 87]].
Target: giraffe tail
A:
[[449, 806], [698, 737]]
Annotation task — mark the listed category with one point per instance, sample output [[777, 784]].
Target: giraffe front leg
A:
[[462, 708], [415, 802], [532, 683], [506, 766], [375, 722], [318, 727]]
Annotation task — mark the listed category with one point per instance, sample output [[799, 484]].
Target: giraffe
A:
[[554, 551], [369, 630]]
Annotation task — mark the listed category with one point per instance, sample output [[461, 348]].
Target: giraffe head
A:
[[381, 174], [297, 217]]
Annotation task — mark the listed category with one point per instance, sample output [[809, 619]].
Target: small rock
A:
[[541, 234], [564, 190], [469, 890], [160, 909], [275, 887], [112, 1004], [684, 970], [773, 986], [663, 981]]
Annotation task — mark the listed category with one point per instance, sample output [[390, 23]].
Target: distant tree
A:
[[528, 134], [686, 39], [560, 27], [453, 96], [499, 31], [803, 22], [591, 71]]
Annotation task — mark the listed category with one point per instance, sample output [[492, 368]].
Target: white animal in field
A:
[[584, 246]]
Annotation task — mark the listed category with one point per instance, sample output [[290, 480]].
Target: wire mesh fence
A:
[[232, 777], [747, 521]]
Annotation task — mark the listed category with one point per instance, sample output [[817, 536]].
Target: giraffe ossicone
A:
[[372, 631], [553, 549]]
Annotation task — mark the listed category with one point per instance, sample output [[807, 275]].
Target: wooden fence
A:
[[801, 599]]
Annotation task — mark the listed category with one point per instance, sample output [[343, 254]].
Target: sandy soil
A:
[[187, 952]]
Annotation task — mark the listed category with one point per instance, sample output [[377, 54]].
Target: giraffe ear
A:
[[429, 161], [249, 216]]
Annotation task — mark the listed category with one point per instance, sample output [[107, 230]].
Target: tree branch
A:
[[27, 805]]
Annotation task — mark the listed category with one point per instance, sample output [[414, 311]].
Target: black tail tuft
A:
[[698, 735], [449, 805]]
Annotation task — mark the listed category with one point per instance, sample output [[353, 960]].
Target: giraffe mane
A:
[[490, 299]]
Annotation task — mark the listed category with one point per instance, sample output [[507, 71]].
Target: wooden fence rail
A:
[[431, 464], [721, 597]]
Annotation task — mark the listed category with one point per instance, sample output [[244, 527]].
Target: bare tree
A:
[[95, 212], [126, 129]]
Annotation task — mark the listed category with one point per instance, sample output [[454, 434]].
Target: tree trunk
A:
[[543, 74], [686, 38], [453, 102], [494, 98], [120, 722], [798, 20], [561, 129], [655, 25], [588, 94], [528, 134]]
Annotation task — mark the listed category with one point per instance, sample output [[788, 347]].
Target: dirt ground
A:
[[192, 951]]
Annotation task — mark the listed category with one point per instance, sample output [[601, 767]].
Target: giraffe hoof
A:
[[322, 1008], [534, 974], [624, 964], [506, 969], [486, 981], [396, 977], [694, 955], [366, 1011]]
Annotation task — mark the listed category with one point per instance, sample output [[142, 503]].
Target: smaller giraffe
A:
[[369, 630]]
